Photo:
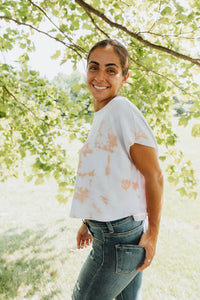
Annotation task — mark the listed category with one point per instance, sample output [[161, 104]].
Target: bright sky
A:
[[40, 59]]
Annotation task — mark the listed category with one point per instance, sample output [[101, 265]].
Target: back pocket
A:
[[129, 258]]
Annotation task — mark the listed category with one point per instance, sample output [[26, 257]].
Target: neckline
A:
[[104, 108]]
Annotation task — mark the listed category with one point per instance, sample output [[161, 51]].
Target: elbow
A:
[[160, 178], [155, 177]]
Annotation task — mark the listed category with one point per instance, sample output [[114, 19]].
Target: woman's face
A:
[[104, 75]]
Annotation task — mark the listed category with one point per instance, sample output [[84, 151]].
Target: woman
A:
[[119, 183]]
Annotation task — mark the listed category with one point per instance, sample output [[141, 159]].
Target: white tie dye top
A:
[[108, 185]]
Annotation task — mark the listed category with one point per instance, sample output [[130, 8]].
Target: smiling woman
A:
[[118, 183], [104, 75]]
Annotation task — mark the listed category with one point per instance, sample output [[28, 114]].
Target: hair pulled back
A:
[[119, 49]]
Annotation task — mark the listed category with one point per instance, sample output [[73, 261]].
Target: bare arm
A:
[[146, 161]]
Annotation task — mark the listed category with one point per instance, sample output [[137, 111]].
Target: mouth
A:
[[100, 87]]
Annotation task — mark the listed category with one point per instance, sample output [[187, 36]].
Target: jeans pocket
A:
[[129, 258]]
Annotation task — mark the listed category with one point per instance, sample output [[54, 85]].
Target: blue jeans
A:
[[110, 269]]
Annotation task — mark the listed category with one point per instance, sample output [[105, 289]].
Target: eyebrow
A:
[[107, 65]]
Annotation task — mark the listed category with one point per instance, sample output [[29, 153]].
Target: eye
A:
[[111, 71], [93, 68]]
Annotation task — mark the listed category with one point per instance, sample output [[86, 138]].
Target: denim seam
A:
[[113, 225], [94, 277], [123, 222], [98, 241], [128, 246], [115, 234]]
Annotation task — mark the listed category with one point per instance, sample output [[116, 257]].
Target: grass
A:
[[37, 243], [38, 255]]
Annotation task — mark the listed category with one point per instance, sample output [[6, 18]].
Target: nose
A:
[[100, 76]]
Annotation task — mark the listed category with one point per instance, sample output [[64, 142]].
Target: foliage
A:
[[163, 40]]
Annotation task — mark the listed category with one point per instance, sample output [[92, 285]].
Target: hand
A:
[[83, 238], [148, 241]]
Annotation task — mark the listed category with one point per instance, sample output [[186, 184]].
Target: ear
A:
[[124, 79]]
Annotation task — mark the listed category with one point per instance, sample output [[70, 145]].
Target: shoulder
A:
[[122, 102], [123, 106]]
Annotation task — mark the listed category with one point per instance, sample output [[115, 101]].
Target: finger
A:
[[83, 244], [146, 264], [87, 243]]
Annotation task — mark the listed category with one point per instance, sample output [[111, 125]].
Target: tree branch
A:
[[54, 24], [163, 76], [136, 36], [178, 36], [74, 47], [158, 14], [5, 89], [22, 104], [95, 24]]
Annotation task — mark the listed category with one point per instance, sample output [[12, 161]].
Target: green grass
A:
[[38, 255]]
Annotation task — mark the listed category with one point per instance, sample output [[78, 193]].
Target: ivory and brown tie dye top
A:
[[108, 185]]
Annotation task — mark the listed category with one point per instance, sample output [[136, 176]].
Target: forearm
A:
[[154, 201]]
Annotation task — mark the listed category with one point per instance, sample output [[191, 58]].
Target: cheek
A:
[[117, 84], [89, 77]]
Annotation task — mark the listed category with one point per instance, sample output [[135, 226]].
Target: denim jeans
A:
[[110, 272]]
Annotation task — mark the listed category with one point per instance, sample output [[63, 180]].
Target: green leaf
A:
[[162, 158], [171, 140], [196, 130], [182, 192], [166, 11], [29, 178], [22, 45], [183, 121], [39, 180], [61, 198], [173, 179], [56, 55], [96, 3], [86, 26], [60, 37], [193, 195], [63, 187], [24, 58]]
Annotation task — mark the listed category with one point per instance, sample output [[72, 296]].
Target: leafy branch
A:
[[179, 35], [73, 47], [136, 36], [163, 76], [157, 17], [58, 28], [21, 104], [95, 24]]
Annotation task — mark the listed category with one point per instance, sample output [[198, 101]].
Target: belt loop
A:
[[110, 227]]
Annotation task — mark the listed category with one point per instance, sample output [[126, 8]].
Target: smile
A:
[[100, 87]]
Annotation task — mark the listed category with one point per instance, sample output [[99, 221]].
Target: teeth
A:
[[100, 87]]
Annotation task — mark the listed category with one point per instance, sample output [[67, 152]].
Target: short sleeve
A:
[[134, 127]]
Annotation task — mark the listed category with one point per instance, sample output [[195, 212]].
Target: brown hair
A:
[[120, 50]]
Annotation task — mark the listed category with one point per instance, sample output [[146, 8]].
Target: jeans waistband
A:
[[109, 225]]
